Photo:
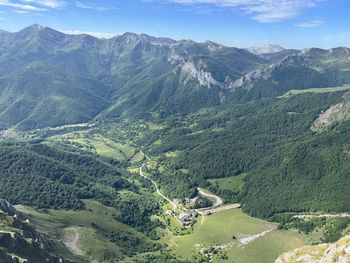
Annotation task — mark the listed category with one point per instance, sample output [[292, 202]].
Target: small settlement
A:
[[187, 218]]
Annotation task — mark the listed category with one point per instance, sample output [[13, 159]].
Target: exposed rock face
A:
[[336, 113], [204, 78], [7, 208], [325, 253]]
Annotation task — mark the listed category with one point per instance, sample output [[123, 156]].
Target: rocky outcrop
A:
[[20, 242], [7, 208], [334, 114], [325, 253]]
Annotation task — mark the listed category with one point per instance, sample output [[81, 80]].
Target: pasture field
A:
[[100, 145], [227, 228], [108, 148], [268, 247]]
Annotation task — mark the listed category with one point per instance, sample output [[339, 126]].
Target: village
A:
[[187, 211]]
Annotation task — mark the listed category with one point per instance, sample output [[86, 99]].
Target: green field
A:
[[220, 228], [101, 145], [233, 183]]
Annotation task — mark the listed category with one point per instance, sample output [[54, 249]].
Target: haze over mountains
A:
[[48, 78]]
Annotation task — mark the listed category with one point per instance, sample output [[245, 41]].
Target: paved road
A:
[[217, 206], [217, 200]]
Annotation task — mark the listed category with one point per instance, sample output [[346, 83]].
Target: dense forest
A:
[[289, 167]]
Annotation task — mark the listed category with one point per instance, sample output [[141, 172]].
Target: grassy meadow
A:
[[233, 183], [227, 227]]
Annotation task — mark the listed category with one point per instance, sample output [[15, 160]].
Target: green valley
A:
[[144, 149]]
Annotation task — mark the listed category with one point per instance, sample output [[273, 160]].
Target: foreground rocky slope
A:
[[324, 253], [19, 242]]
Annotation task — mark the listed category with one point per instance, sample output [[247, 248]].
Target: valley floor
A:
[[221, 233], [240, 237]]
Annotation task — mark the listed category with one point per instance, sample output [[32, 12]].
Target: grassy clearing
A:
[[138, 157], [101, 145], [154, 126], [108, 148], [233, 183], [172, 154], [220, 228], [134, 170]]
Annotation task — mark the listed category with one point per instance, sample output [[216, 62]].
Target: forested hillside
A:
[[288, 167], [48, 78]]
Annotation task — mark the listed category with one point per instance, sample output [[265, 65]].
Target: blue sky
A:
[[241, 23]]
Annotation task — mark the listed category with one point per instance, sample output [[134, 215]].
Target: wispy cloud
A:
[[47, 3], [32, 5], [21, 12], [263, 11], [93, 6], [95, 34], [310, 24], [21, 6]]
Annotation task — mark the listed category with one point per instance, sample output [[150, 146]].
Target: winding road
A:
[[215, 208], [154, 183], [217, 200]]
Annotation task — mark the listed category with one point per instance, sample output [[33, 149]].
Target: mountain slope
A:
[[311, 68], [48, 78]]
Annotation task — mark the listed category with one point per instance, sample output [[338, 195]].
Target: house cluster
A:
[[187, 218]]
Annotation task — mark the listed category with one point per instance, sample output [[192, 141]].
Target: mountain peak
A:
[[267, 49], [34, 27]]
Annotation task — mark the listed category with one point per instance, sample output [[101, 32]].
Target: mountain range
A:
[[48, 78]]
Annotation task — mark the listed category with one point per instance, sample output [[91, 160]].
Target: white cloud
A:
[[21, 6], [93, 6], [95, 34], [47, 3], [263, 11], [310, 24], [21, 12], [32, 5]]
